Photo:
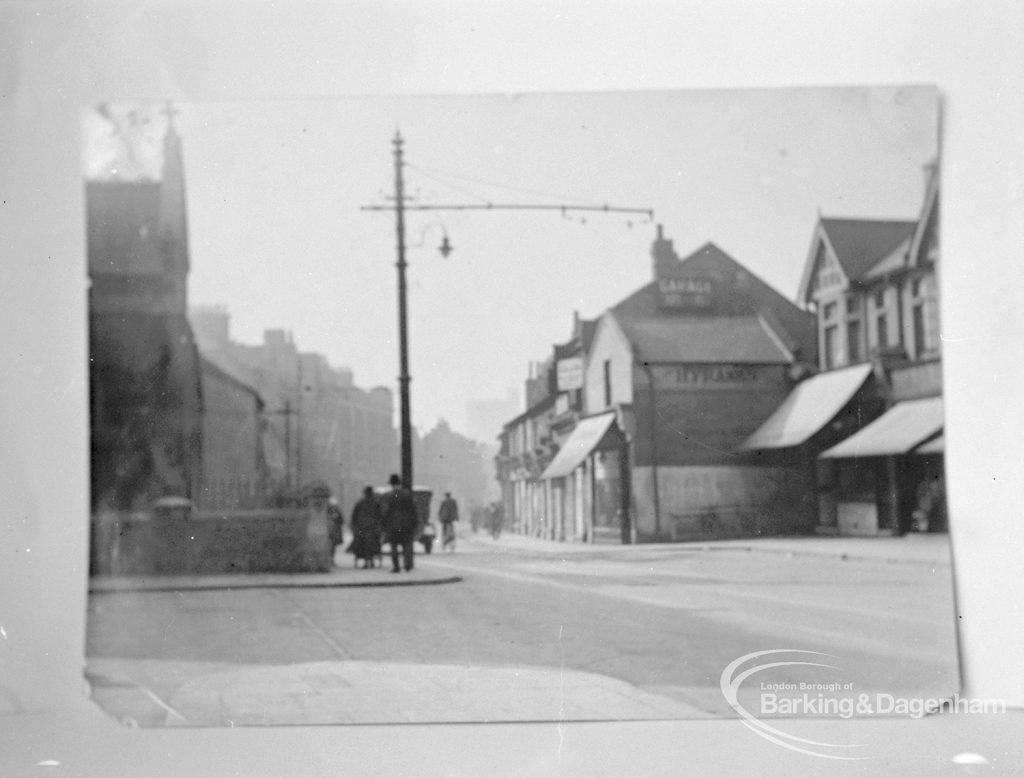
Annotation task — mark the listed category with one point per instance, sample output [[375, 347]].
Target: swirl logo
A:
[[733, 677]]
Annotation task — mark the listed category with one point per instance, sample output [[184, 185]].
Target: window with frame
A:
[[853, 340], [830, 347], [920, 331], [607, 382]]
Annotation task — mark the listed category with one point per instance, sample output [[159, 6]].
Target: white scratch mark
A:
[[48, 763], [3, 633], [561, 695], [944, 339], [167, 708]]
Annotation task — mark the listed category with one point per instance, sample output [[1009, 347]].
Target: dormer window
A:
[[829, 311]]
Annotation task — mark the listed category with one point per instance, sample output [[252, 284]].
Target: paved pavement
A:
[[356, 692], [929, 549], [361, 692], [343, 575]]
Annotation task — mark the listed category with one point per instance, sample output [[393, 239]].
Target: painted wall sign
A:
[[711, 375], [685, 292]]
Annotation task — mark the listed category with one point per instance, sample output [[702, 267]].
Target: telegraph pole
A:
[[400, 207], [298, 431], [403, 329]]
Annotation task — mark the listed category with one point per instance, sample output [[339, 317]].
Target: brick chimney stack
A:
[[663, 253]]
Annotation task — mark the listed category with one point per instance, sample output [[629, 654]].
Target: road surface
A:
[[638, 632]]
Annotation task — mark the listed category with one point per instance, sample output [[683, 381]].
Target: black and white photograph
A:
[[498, 426], [594, 357]]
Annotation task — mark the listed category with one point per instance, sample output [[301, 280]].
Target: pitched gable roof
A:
[[928, 222], [860, 243], [796, 328], [857, 245], [705, 339], [588, 329]]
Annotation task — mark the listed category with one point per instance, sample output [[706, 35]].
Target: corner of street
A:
[[517, 629]]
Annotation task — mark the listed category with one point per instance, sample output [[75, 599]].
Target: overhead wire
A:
[[459, 189], [428, 171]]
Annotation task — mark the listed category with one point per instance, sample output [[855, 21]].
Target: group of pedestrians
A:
[[490, 517], [391, 518]]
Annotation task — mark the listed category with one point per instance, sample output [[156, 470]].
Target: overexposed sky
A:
[[277, 234]]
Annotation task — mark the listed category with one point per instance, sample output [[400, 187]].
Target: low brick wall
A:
[[205, 543]]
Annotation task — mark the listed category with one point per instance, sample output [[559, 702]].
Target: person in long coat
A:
[[366, 528], [400, 523], [448, 514]]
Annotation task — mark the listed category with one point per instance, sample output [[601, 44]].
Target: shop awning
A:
[[896, 431], [935, 446], [582, 440], [809, 407]]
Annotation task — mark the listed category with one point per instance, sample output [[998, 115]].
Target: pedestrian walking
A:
[[400, 523], [366, 529], [335, 525], [496, 519], [448, 514], [475, 517]]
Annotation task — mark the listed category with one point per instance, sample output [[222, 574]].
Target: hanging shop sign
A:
[[570, 374]]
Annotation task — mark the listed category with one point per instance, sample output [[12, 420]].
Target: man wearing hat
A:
[[400, 523]]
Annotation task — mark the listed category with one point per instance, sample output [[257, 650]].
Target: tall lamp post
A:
[[403, 325], [400, 207]]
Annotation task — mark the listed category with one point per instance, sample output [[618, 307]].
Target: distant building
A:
[[144, 369], [450, 462], [530, 441], [485, 417], [316, 424], [235, 472], [525, 450]]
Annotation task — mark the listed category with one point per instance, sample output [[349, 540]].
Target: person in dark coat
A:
[[448, 514], [366, 528], [400, 523]]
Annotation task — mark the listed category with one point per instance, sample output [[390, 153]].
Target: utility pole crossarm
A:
[[400, 206], [648, 212]]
